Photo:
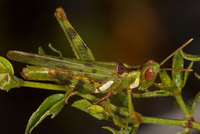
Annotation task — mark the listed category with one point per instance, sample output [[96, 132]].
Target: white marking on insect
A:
[[135, 84], [104, 87]]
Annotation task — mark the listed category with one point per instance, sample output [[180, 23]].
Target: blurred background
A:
[[130, 31]]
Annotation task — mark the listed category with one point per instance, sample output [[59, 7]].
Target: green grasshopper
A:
[[84, 74]]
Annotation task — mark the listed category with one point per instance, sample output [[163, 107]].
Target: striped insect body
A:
[[81, 73]]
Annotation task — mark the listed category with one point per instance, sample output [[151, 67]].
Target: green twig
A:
[[182, 105], [152, 120], [130, 104], [163, 121], [196, 125]]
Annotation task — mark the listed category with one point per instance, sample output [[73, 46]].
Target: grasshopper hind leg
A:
[[108, 94]]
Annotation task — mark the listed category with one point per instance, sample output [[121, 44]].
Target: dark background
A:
[[120, 31]]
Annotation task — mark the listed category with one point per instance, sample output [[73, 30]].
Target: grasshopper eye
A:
[[149, 74]]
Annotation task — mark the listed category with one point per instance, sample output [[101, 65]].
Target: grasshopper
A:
[[84, 74]]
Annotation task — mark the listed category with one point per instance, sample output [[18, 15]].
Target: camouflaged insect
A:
[[84, 74]]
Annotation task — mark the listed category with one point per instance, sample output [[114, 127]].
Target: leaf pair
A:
[[191, 57], [51, 106], [179, 75], [7, 78], [94, 110]]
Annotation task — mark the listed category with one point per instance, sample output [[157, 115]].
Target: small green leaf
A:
[[164, 77], [122, 96], [158, 93], [177, 76], [41, 51], [88, 96], [7, 78], [84, 105], [190, 56], [50, 106], [6, 65], [167, 87], [187, 74], [116, 119], [122, 131], [8, 81], [96, 109], [197, 98], [108, 107]]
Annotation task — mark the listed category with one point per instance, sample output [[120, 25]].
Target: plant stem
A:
[[152, 120], [45, 86], [163, 121], [130, 104], [196, 125], [181, 103]]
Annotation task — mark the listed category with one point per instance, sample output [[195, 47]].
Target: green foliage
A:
[[197, 75], [177, 76], [158, 93], [165, 78], [119, 132], [186, 74], [112, 130], [94, 110], [41, 51], [190, 57], [7, 78], [51, 106]]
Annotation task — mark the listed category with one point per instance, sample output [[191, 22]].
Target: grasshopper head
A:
[[148, 74]]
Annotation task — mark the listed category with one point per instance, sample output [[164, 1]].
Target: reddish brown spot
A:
[[61, 13], [94, 70], [149, 74], [25, 75], [138, 117], [53, 72], [189, 122]]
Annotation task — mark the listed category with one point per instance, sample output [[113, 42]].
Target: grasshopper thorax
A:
[[148, 74], [129, 76], [123, 68]]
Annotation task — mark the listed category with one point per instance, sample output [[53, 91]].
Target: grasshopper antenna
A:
[[185, 44], [177, 69]]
